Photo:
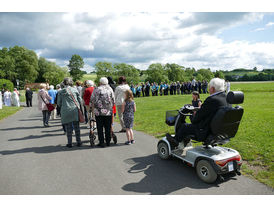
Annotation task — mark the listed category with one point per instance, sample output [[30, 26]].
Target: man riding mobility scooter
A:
[[210, 160]]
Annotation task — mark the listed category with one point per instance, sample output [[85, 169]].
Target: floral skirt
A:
[[128, 122]]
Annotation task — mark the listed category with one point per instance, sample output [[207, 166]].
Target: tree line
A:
[[23, 65], [156, 72], [19, 64]]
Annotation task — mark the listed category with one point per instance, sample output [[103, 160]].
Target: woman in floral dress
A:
[[102, 101]]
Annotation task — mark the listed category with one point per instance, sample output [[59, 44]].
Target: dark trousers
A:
[[69, 128], [86, 114], [46, 116], [29, 102], [101, 123], [185, 130]]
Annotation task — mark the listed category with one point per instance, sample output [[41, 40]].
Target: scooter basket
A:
[[171, 117]]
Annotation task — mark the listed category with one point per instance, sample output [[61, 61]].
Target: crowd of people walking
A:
[[95, 103]]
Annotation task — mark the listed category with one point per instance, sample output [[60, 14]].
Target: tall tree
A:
[[175, 72], [129, 71], [7, 66], [75, 64], [219, 74], [26, 64], [103, 69], [206, 74], [156, 73]]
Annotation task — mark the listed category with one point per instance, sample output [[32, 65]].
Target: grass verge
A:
[[7, 111]]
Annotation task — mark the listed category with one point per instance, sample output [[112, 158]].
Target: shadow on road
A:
[[53, 149], [34, 137], [45, 149], [36, 119], [23, 128], [162, 176]]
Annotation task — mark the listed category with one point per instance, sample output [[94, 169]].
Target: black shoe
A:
[[108, 144], [172, 140], [79, 144], [100, 145], [69, 145], [114, 138]]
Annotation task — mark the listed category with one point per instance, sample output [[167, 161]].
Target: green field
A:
[[255, 137], [89, 77]]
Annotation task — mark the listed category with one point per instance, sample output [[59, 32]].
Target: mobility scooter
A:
[[210, 160]]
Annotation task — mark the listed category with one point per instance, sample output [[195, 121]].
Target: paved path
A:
[[34, 160]]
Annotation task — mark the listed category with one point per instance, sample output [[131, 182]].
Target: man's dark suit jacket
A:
[[207, 111], [29, 94]]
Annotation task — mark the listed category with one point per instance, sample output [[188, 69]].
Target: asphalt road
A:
[[34, 160]]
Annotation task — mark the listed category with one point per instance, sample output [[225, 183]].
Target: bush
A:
[[6, 84]]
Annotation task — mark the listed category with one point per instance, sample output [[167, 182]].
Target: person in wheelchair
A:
[[200, 127]]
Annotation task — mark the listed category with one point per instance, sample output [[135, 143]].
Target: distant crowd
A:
[[155, 89], [8, 98]]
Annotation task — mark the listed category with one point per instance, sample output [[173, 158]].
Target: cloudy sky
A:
[[216, 40]]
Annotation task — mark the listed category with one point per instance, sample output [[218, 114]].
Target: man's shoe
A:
[[172, 140], [69, 145], [100, 145], [79, 144]]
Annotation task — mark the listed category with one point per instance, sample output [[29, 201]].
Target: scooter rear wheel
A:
[[206, 172]]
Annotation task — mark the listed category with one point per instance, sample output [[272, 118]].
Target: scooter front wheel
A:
[[163, 151]]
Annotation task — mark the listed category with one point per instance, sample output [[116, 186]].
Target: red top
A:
[[87, 94], [114, 109]]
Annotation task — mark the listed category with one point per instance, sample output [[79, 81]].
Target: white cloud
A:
[[139, 39], [259, 29], [270, 24]]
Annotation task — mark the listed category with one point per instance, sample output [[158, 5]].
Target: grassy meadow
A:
[[89, 77], [255, 137]]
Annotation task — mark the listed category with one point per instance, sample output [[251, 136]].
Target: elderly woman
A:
[[102, 101], [119, 99], [43, 99], [69, 100]]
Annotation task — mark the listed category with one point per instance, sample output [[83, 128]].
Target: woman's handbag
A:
[[80, 114], [49, 105]]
